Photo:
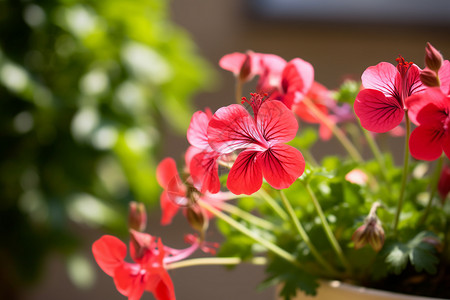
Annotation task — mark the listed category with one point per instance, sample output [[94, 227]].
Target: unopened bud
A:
[[433, 58], [444, 183], [140, 244], [137, 217], [197, 219], [429, 78], [371, 232]]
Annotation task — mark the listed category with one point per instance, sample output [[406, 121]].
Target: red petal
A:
[[204, 172], [166, 170], [426, 142], [444, 77], [232, 62], [245, 176], [381, 78], [376, 112], [232, 128], [276, 122], [197, 132], [164, 289], [281, 165], [298, 75], [129, 282], [169, 209], [428, 107], [109, 253]]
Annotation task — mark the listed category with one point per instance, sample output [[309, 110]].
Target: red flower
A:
[[178, 194], [262, 139], [432, 136], [381, 105], [243, 65], [146, 274]]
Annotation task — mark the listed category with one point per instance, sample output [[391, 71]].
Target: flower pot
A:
[[336, 290]]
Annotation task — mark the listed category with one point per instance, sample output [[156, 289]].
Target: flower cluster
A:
[[357, 219]]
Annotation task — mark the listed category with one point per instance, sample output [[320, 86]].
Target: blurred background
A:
[[94, 93]]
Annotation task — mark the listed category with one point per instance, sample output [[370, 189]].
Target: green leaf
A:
[[397, 257]]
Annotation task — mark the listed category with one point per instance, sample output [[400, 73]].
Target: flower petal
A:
[[426, 141], [428, 107], [232, 62], [377, 112], [197, 134], [245, 176], [381, 77], [109, 253], [232, 128], [276, 122], [204, 172], [444, 77], [298, 75], [168, 207], [129, 282], [166, 170], [281, 165]]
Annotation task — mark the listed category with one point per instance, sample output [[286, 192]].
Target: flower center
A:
[[403, 68], [255, 102]]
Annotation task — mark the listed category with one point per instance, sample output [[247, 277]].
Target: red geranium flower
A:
[[148, 273], [381, 104], [432, 136], [262, 139]]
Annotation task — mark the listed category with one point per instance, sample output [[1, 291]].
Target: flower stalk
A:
[[208, 261]]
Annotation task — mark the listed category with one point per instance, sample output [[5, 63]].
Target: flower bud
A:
[[429, 78], [371, 232], [197, 218], [137, 217], [433, 59], [444, 183], [140, 244]]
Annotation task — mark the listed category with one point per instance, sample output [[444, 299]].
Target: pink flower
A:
[[178, 194], [243, 65], [202, 159], [381, 104], [432, 136], [356, 176], [148, 273], [262, 139]]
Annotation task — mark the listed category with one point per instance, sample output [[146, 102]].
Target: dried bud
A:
[[137, 217], [197, 219], [444, 183], [433, 59], [429, 78], [371, 232]]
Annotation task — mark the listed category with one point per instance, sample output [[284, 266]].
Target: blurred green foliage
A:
[[85, 89]]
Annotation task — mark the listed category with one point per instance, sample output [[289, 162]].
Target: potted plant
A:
[[358, 219]]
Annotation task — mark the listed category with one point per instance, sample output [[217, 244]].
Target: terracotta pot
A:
[[336, 290]]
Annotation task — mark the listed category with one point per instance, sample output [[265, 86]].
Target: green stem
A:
[[238, 226], [305, 236], [352, 151], [433, 185], [204, 261], [310, 158], [277, 208], [405, 174], [247, 216], [376, 152], [331, 238]]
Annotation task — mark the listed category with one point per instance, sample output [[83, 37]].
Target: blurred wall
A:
[[218, 27]]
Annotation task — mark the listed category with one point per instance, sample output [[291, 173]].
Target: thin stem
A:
[[433, 185], [204, 261], [238, 226], [352, 151], [305, 236], [331, 238], [252, 219], [404, 175], [310, 158], [277, 208], [377, 153]]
